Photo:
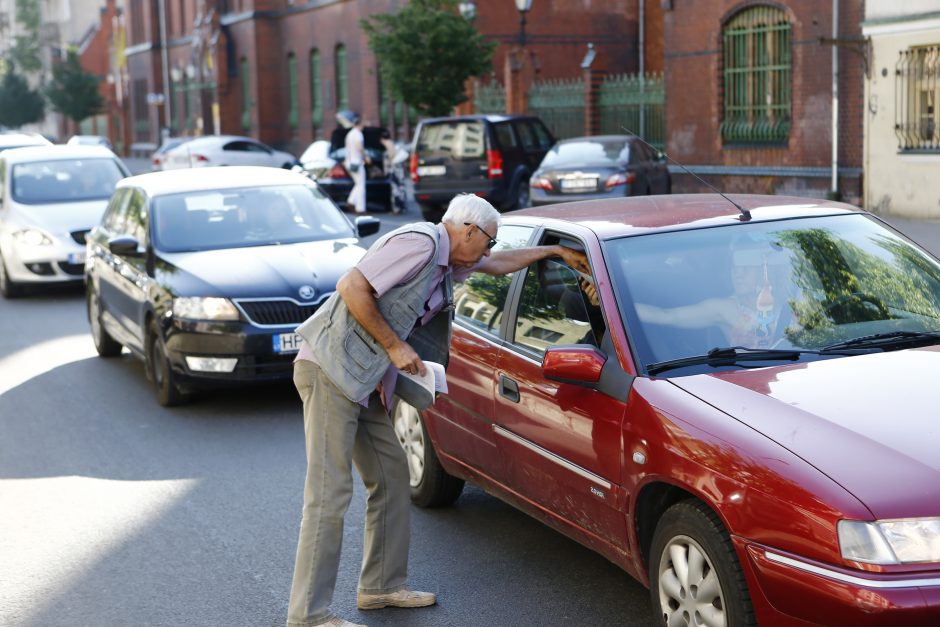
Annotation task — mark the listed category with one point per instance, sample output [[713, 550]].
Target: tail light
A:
[[413, 167], [337, 172], [197, 158], [494, 164], [620, 178], [541, 182]]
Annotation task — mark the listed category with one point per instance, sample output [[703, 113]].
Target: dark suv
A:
[[491, 156]]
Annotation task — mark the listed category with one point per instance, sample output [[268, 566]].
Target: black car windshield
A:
[[808, 283], [587, 152], [256, 216], [64, 180]]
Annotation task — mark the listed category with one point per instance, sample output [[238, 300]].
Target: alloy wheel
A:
[[411, 437], [689, 590]]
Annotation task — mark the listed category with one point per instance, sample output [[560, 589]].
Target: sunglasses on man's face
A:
[[492, 239]]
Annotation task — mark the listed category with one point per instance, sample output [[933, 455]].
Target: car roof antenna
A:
[[745, 214]]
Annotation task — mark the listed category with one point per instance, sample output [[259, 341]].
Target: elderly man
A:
[[394, 304]]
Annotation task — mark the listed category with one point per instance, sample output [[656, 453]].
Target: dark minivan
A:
[[492, 156]]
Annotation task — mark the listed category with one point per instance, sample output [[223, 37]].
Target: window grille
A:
[[917, 79], [757, 76], [342, 84], [293, 111], [316, 103]]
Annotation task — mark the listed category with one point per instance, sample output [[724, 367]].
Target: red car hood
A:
[[869, 422]]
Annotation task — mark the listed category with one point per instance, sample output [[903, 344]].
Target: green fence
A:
[[560, 104], [490, 98], [635, 104]]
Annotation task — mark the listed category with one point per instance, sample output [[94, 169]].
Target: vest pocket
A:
[[365, 359], [403, 316]]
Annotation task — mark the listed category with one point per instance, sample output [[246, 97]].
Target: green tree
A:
[[25, 49], [19, 104], [426, 51], [73, 91]]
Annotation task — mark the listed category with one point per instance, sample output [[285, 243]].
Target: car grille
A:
[[79, 236], [276, 312], [75, 269]]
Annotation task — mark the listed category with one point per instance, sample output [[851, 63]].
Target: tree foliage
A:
[[426, 52], [73, 91], [19, 104], [25, 49]]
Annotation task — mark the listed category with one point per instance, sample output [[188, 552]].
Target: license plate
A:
[[286, 342], [432, 170], [577, 185], [76, 258]]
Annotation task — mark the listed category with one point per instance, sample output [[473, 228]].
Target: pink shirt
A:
[[396, 263]]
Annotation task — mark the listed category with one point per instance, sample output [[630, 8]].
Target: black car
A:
[[323, 162], [491, 156], [205, 273], [604, 166]]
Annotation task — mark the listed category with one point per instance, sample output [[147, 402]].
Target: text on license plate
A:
[[578, 184], [76, 258], [286, 342], [432, 170]]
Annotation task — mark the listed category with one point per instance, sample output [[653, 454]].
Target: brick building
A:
[[96, 54], [749, 95]]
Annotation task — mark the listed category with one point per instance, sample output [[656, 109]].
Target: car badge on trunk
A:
[[307, 292]]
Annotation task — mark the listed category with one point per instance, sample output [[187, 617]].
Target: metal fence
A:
[[490, 97], [560, 104], [631, 103]]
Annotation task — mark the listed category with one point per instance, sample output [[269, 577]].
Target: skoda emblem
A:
[[307, 292]]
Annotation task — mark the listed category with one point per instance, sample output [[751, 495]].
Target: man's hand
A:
[[590, 291], [406, 359], [575, 258]]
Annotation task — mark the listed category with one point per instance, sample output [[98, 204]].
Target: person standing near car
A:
[[395, 303], [356, 165]]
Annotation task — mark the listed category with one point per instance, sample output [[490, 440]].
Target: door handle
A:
[[508, 388]]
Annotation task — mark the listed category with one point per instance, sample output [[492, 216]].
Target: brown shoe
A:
[[402, 598]]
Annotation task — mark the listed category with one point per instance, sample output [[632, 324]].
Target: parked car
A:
[[160, 276], [89, 140], [50, 197], [323, 162], [605, 166], [156, 159], [212, 150], [740, 413], [492, 156], [13, 139]]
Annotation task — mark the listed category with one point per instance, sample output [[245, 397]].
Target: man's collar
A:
[[443, 246]]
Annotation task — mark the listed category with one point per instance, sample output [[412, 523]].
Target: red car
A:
[[738, 407]]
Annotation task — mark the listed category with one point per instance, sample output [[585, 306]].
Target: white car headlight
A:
[[194, 308], [905, 541], [32, 237]]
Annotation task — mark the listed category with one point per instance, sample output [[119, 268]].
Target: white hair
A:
[[470, 208]]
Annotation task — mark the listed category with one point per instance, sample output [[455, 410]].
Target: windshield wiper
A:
[[886, 340], [728, 356]]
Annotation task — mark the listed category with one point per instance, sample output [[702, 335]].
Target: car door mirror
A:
[[124, 245], [574, 363], [367, 225]]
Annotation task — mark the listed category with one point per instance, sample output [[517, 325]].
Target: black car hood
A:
[[259, 271]]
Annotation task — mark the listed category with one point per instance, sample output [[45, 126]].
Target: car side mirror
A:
[[367, 225], [573, 363], [124, 245]]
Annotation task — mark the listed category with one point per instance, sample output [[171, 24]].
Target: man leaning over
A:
[[392, 305]]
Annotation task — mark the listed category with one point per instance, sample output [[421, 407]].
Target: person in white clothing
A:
[[356, 165]]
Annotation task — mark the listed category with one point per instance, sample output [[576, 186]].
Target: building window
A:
[[342, 82], [917, 120], [316, 102], [246, 95], [141, 110], [293, 111], [757, 77]]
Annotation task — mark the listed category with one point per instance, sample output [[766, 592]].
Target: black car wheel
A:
[[8, 287], [522, 198], [158, 365], [431, 213], [431, 486], [106, 345], [695, 576]]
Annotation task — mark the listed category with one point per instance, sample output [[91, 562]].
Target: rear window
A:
[[456, 140], [587, 152]]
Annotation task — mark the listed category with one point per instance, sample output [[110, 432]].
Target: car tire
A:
[[158, 367], [431, 213], [522, 198], [431, 486], [8, 287], [691, 543], [106, 345]]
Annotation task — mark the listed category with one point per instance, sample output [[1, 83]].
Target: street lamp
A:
[[523, 7], [468, 9]]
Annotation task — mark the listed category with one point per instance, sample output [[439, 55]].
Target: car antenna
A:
[[745, 214]]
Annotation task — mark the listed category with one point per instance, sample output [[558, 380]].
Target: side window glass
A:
[[234, 147], [542, 135], [552, 308], [251, 147], [505, 136], [136, 223], [525, 135], [480, 300], [116, 213]]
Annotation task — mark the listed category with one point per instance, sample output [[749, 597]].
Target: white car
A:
[[89, 140], [50, 197], [225, 150], [13, 139]]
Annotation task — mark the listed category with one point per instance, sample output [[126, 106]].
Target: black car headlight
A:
[[204, 308]]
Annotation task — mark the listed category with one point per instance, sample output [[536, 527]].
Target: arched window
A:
[[292, 95], [757, 77], [316, 89], [342, 81]]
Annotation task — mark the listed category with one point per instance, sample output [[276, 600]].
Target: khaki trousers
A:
[[338, 432]]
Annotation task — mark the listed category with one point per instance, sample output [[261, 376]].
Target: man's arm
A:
[[359, 296], [506, 261]]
